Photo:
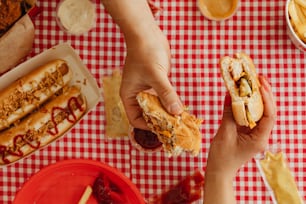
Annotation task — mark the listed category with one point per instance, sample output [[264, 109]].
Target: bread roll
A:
[[241, 80]]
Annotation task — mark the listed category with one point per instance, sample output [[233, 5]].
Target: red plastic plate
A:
[[65, 182]]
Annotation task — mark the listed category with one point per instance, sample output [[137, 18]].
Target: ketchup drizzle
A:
[[68, 112], [4, 151], [21, 138], [19, 153], [34, 146], [53, 114], [73, 100]]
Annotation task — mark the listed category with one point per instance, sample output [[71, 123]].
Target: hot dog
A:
[[241, 80], [38, 129], [30, 91]]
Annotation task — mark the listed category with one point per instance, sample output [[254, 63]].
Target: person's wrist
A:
[[228, 173], [221, 171], [220, 176], [142, 35], [218, 187]]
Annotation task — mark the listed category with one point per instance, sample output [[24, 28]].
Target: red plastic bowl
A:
[[65, 182]]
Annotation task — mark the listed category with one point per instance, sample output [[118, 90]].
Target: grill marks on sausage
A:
[[32, 137], [19, 99]]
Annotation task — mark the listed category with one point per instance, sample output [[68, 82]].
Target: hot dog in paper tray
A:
[[43, 104]]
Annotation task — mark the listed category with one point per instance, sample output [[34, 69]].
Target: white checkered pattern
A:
[[258, 28]]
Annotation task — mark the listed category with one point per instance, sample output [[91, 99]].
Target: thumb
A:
[[169, 98], [227, 117]]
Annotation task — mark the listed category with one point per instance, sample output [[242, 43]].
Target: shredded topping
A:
[[19, 98]]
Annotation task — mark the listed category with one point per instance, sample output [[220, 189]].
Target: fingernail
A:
[[227, 100], [175, 109]]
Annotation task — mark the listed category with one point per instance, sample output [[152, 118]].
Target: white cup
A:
[[76, 17]]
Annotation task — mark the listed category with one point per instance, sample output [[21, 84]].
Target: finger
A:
[[268, 99], [227, 122], [227, 110], [169, 98], [131, 106], [134, 113], [266, 124]]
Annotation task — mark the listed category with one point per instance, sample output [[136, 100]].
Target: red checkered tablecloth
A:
[[258, 28]]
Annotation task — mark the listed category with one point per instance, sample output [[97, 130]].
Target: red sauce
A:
[[53, 114], [3, 153], [69, 111], [106, 192], [146, 139], [18, 139], [31, 144], [73, 100], [186, 191]]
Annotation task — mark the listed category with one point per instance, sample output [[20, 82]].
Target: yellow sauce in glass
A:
[[218, 9]]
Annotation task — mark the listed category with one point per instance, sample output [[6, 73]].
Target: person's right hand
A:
[[147, 63], [147, 66]]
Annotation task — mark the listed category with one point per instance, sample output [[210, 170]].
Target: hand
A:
[[233, 146], [147, 66], [147, 63]]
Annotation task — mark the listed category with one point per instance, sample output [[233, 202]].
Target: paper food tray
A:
[[81, 76]]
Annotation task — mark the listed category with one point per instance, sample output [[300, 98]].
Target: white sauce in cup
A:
[[76, 16]]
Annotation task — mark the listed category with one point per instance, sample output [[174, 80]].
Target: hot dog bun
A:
[[177, 133], [30, 91], [240, 77], [43, 126]]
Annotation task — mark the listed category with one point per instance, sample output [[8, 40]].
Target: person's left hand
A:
[[234, 145]]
